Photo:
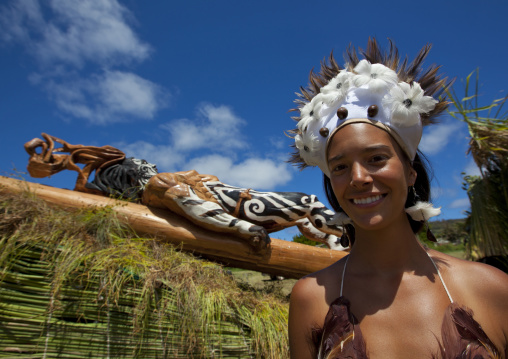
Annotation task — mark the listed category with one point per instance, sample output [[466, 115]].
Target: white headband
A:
[[371, 93]]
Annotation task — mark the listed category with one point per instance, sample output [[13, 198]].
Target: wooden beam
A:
[[284, 258]]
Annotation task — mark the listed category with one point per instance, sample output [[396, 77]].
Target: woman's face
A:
[[369, 175]]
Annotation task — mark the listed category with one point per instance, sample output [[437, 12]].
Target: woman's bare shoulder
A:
[[308, 306], [314, 286], [326, 279], [476, 274], [481, 288], [472, 275], [487, 283]]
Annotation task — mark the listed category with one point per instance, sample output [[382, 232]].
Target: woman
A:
[[390, 297]]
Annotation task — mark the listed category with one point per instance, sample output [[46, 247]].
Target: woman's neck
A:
[[392, 249]]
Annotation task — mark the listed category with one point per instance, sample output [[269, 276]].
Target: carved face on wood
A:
[[146, 171]]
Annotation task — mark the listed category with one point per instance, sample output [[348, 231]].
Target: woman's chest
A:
[[408, 332], [409, 321]]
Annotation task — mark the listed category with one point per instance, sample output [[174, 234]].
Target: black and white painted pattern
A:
[[273, 208], [250, 213]]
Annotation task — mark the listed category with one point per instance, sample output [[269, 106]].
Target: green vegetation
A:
[[450, 230], [300, 238], [451, 235], [456, 249], [80, 284], [487, 222]]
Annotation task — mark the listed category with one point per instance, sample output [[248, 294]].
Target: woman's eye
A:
[[378, 158], [339, 167]]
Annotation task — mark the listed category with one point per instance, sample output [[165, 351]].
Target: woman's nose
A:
[[360, 175]]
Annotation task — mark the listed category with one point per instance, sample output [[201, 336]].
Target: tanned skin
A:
[[393, 287]]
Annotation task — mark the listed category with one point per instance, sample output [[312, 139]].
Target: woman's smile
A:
[[367, 200]]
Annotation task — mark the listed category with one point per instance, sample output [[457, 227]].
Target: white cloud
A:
[[257, 173], [90, 30], [124, 92], [217, 131], [66, 35], [472, 169], [437, 137], [460, 203], [17, 18], [164, 157], [278, 143], [112, 96], [215, 128], [78, 31]]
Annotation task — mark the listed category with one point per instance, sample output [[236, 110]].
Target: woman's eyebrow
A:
[[370, 148], [373, 148]]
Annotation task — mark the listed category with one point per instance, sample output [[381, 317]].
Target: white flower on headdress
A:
[[308, 146], [312, 108], [304, 123], [378, 77], [337, 88], [408, 102], [306, 110], [318, 104]]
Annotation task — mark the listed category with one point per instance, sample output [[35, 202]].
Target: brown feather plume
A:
[[340, 337], [430, 81], [463, 337]]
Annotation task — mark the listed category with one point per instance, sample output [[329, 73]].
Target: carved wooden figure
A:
[[202, 199]]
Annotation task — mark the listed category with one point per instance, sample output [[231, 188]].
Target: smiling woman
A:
[[390, 297]]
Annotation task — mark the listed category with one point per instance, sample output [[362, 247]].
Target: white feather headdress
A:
[[398, 98]]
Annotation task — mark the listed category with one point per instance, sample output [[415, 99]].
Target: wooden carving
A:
[[202, 199], [52, 160]]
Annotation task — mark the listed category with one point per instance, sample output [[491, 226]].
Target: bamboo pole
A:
[[284, 258]]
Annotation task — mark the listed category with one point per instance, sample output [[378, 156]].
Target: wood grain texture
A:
[[288, 259]]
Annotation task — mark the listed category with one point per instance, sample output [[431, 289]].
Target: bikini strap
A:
[[441, 278], [343, 272]]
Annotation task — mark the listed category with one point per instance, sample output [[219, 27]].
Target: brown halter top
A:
[[341, 337]]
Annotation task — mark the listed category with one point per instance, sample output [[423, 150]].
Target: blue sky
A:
[[207, 85]]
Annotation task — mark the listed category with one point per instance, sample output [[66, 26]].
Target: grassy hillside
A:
[[449, 227]]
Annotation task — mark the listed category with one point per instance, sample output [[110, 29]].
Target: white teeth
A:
[[366, 200]]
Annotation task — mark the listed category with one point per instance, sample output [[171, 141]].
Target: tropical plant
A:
[[488, 193]]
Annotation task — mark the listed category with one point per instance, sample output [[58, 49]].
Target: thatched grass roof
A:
[[79, 284]]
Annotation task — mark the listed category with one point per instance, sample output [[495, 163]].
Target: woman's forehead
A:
[[360, 133], [360, 137]]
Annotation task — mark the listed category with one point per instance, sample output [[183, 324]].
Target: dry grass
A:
[[82, 285], [488, 145]]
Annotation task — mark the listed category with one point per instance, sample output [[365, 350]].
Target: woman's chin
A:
[[369, 224], [373, 222]]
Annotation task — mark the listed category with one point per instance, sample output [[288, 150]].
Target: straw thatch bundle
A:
[[76, 285], [488, 130]]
